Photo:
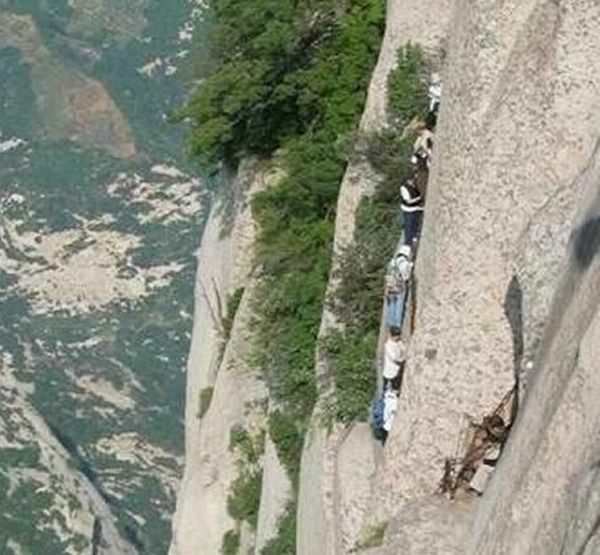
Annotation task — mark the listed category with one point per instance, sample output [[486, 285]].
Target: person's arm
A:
[[398, 353], [418, 143], [386, 280]]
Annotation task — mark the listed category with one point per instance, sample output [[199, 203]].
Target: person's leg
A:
[[389, 300], [421, 177], [384, 436], [412, 229], [397, 381], [418, 224], [393, 311], [409, 227], [400, 310]]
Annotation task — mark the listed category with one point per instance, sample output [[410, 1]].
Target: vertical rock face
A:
[[544, 497], [218, 370], [518, 124], [275, 493], [506, 279], [327, 521]]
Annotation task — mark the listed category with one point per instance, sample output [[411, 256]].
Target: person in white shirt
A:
[[402, 260], [397, 275], [423, 149], [394, 357], [435, 92], [390, 406]]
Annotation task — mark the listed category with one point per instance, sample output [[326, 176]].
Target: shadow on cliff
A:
[[228, 200], [513, 308], [586, 243]]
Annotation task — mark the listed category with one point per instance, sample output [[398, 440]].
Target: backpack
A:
[[377, 418]]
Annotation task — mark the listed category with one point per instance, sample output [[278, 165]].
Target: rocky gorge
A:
[[191, 340], [507, 286]]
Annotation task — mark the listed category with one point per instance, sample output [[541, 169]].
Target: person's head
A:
[[404, 251], [395, 333], [495, 426], [436, 79]]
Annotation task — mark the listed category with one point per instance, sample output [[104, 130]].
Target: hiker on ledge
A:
[[435, 93], [394, 355], [390, 406], [423, 149], [383, 412], [397, 275], [412, 206]]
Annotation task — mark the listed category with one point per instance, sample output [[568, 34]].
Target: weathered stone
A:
[[355, 474], [482, 476], [274, 496], [224, 262], [503, 295], [320, 526], [543, 496], [431, 526], [504, 173]]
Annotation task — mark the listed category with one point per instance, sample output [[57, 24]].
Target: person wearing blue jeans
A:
[[395, 309], [412, 206], [397, 276]]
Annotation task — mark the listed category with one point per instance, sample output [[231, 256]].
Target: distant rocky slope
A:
[[507, 297], [99, 219], [80, 517], [71, 105]]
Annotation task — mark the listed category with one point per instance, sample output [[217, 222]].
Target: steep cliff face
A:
[[514, 162], [504, 190], [543, 498], [223, 392], [338, 466], [506, 294]]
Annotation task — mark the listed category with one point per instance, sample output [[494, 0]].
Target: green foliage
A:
[[287, 436], [372, 537], [232, 304], [231, 543], [249, 448], [277, 73], [204, 400], [25, 457], [407, 93], [389, 154], [296, 231], [284, 543], [353, 356], [290, 75], [297, 217], [358, 298], [31, 501], [244, 500]]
